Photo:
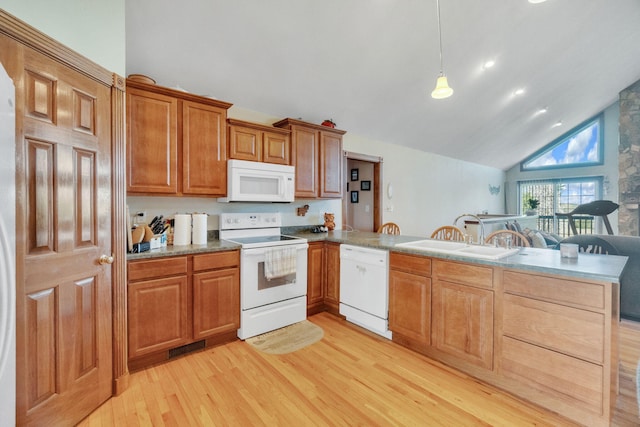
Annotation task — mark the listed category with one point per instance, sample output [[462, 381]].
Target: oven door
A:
[[256, 290]]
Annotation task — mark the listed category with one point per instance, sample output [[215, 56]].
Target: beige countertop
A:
[[589, 266]]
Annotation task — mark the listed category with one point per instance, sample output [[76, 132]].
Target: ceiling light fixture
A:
[[442, 89], [543, 110], [537, 1], [556, 124], [519, 92], [490, 63]]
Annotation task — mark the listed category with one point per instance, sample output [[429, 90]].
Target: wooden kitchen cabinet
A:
[[176, 142], [316, 152], [179, 301], [410, 298], [216, 294], [158, 305], [332, 280], [463, 311], [323, 277], [258, 143]]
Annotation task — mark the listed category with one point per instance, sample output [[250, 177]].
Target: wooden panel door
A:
[[245, 143], [304, 156], [330, 165], [63, 220], [152, 142], [463, 322], [204, 149], [316, 273], [410, 305], [216, 302], [276, 148]]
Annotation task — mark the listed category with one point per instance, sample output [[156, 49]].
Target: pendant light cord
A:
[[439, 36]]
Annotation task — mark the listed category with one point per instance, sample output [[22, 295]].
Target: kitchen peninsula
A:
[[537, 325]]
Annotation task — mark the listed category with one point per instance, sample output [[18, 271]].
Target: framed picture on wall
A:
[[354, 197], [354, 174], [365, 185]]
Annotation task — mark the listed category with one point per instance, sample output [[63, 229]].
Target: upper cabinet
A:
[[176, 142], [316, 152], [258, 143]]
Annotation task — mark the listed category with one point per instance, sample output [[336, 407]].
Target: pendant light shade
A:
[[442, 89]]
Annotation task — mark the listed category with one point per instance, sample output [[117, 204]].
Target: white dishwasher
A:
[[364, 288]]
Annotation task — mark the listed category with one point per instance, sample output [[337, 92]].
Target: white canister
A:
[[568, 250], [182, 229]]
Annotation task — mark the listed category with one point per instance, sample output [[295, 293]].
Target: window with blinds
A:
[[561, 196]]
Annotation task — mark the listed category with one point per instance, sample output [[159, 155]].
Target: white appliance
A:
[[7, 251], [364, 288], [267, 303], [259, 182]]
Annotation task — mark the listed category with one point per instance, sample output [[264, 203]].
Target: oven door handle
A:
[[262, 251]]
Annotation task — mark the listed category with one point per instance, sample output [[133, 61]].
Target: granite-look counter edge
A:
[[597, 267]]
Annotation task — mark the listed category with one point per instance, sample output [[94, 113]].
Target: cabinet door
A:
[[332, 282], [330, 165], [410, 305], [204, 152], [315, 277], [152, 142], [158, 315], [304, 156], [276, 148], [216, 302], [463, 322], [245, 143]]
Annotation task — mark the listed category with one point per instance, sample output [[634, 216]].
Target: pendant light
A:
[[442, 89]]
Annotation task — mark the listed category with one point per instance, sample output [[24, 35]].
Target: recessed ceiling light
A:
[[542, 110], [490, 63], [537, 1], [519, 91], [556, 124]]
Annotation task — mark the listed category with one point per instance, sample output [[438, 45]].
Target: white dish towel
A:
[[279, 262]]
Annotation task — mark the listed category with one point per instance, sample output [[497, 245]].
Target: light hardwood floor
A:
[[350, 377]]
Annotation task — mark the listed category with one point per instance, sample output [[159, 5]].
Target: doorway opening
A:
[[362, 202]]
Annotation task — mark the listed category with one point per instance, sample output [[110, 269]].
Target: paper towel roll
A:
[[199, 231], [182, 229]]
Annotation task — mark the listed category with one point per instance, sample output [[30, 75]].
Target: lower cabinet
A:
[[176, 301], [410, 297], [323, 277]]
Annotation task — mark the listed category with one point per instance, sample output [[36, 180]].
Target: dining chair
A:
[[389, 228], [448, 232], [517, 239]]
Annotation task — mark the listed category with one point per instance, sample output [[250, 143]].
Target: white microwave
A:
[[259, 182]]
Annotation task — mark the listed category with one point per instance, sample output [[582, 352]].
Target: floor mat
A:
[[287, 339]]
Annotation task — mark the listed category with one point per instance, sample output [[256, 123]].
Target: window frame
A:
[[565, 138]]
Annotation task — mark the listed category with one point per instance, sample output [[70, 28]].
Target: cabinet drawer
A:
[[569, 330], [216, 260], [411, 263], [566, 380], [160, 267], [555, 289], [467, 274]]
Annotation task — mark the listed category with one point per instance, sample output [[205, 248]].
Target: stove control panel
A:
[[235, 221]]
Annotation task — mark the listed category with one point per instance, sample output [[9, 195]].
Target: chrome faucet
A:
[[476, 217]]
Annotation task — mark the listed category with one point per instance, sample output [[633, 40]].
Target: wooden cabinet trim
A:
[[468, 274], [216, 260], [416, 264], [159, 267]]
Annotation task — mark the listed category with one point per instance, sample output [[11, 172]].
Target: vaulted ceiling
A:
[[370, 65]]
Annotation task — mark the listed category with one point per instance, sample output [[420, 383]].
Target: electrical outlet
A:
[[140, 218]]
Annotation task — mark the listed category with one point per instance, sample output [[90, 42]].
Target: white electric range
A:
[[273, 272]]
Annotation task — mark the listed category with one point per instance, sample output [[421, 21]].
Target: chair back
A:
[[389, 228], [448, 232], [588, 243], [517, 239]]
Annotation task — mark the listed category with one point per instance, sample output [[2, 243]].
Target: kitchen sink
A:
[[459, 248]]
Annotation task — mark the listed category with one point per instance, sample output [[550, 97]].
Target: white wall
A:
[[609, 170], [430, 190], [95, 28]]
